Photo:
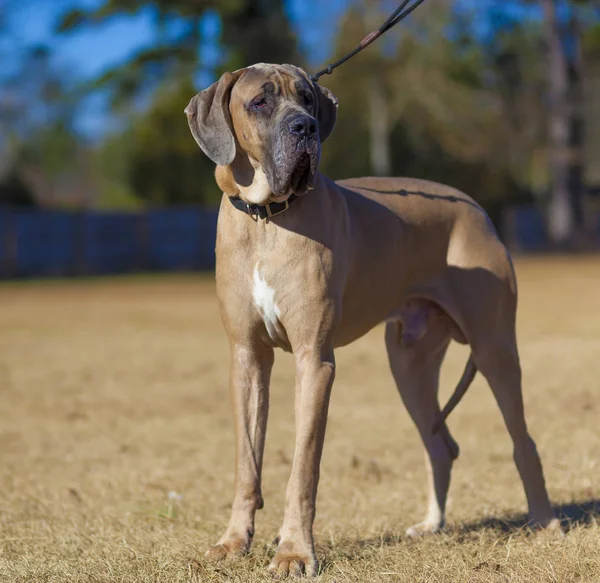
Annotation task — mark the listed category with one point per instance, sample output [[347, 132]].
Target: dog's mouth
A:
[[300, 179], [294, 165]]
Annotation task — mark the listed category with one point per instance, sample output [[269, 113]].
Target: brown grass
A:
[[114, 393]]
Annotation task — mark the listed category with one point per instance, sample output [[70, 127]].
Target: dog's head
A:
[[264, 125]]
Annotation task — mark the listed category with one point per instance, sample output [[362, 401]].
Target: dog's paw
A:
[[423, 528], [550, 529], [230, 549], [288, 562]]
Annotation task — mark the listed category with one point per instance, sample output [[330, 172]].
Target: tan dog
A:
[[343, 258]]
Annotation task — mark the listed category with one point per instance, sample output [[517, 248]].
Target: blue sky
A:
[[94, 49], [89, 51]]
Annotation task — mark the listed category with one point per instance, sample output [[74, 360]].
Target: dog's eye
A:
[[258, 103]]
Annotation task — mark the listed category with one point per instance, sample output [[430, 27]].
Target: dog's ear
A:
[[327, 110], [210, 120]]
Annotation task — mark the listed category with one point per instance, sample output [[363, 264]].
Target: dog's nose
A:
[[304, 127]]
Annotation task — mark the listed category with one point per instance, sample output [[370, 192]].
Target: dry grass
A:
[[114, 393]]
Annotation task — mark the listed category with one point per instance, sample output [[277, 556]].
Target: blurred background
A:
[[99, 174]]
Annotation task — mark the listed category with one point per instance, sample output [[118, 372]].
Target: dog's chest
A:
[[263, 296]]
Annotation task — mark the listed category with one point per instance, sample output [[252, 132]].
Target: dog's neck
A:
[[245, 179]]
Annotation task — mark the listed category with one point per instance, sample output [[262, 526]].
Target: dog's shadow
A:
[[570, 515]]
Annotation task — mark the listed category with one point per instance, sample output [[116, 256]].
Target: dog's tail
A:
[[464, 383]]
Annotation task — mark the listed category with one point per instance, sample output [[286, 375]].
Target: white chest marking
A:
[[264, 299]]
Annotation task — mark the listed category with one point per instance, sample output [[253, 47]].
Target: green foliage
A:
[[117, 196], [53, 151], [165, 166], [110, 169], [592, 39], [159, 162], [460, 110], [258, 31], [444, 104]]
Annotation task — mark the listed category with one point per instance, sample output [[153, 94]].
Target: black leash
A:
[[394, 19]]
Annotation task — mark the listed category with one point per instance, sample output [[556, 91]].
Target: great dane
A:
[[307, 264]]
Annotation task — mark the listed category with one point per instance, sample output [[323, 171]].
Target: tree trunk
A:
[[379, 138], [379, 118], [560, 219], [576, 127], [565, 211]]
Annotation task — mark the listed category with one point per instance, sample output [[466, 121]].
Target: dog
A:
[[307, 265]]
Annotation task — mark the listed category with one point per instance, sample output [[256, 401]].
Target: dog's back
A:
[[458, 226]]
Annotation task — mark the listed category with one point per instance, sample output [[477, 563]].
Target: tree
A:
[[161, 164], [444, 112], [37, 115], [566, 138], [253, 31], [164, 165]]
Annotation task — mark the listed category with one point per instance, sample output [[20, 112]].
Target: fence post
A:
[[142, 237], [9, 243], [78, 252], [201, 241]]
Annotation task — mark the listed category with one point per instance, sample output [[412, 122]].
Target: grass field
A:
[[114, 394]]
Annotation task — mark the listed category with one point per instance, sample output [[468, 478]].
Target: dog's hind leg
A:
[[498, 361], [416, 372]]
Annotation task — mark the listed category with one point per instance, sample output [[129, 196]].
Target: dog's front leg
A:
[[315, 372], [249, 384]]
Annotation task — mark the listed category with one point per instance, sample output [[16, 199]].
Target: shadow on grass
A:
[[575, 514], [570, 515]]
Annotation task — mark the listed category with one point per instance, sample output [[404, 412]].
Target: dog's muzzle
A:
[[304, 133]]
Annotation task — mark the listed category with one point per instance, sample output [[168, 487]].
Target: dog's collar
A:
[[263, 211]]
